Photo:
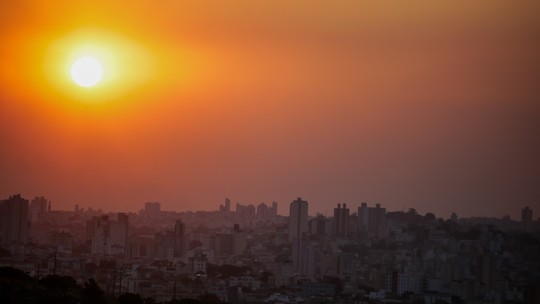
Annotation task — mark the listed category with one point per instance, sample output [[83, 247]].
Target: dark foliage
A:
[[209, 299], [16, 286], [130, 298], [59, 289], [91, 293], [187, 301], [10, 273]]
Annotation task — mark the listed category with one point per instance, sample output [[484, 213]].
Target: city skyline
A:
[[424, 105], [363, 210], [252, 255]]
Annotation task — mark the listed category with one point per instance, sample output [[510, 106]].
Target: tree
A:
[[430, 217], [91, 293], [14, 286], [13, 274], [130, 298], [149, 300], [209, 299], [60, 289], [188, 301]]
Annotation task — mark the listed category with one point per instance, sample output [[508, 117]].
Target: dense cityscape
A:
[[250, 254]]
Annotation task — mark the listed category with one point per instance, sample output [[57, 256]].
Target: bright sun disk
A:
[[86, 71]]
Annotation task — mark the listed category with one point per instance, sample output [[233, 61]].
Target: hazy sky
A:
[[427, 104]]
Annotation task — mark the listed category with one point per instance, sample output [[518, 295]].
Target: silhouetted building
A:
[[226, 208], [341, 220], [372, 221], [62, 242], [239, 241], [486, 267], [140, 247], [304, 256], [298, 227], [14, 220], [37, 207], [198, 262], [298, 219], [152, 207], [222, 244], [398, 283], [108, 237], [163, 246], [262, 209], [527, 218], [245, 210], [320, 226], [119, 233], [265, 210]]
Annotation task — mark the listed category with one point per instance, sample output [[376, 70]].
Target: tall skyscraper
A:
[[298, 219], [526, 218], [226, 208], [372, 221], [274, 208], [14, 220], [38, 206], [120, 232], [363, 214], [298, 228], [262, 210], [341, 220], [320, 226]]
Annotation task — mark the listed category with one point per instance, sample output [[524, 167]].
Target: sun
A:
[[86, 71]]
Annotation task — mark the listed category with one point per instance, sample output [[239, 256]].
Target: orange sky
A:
[[432, 105]]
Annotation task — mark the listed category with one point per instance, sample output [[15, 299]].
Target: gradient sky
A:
[[426, 104]]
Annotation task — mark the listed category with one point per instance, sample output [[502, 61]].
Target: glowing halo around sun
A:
[[98, 67], [86, 71]]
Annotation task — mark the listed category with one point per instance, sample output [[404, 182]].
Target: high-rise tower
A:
[[526, 218], [341, 220], [298, 219], [298, 228], [372, 221], [14, 220], [37, 207]]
